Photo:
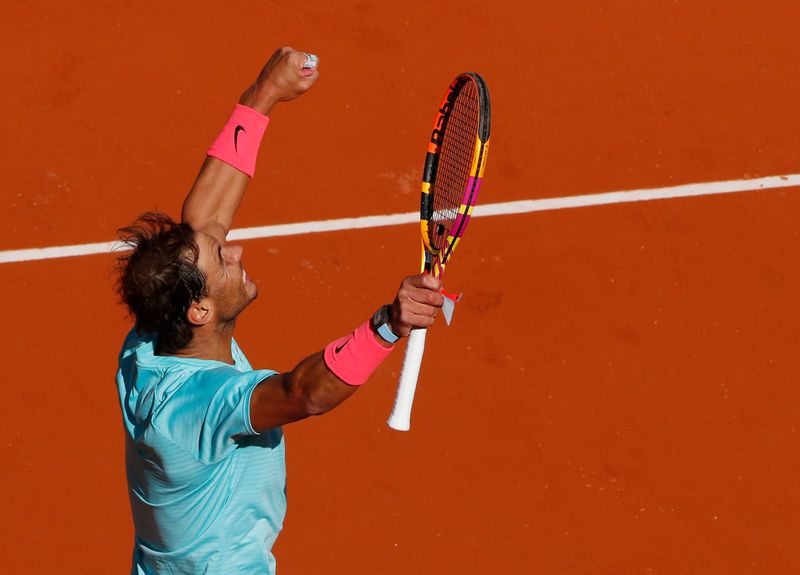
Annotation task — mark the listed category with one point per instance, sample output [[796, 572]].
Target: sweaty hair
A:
[[159, 279]]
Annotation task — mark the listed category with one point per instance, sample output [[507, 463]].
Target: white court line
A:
[[504, 208]]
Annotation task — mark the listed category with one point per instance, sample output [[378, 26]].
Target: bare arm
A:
[[219, 188], [312, 389]]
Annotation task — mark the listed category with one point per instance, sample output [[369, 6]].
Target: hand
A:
[[416, 305], [283, 78]]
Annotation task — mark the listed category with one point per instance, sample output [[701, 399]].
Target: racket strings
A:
[[455, 162]]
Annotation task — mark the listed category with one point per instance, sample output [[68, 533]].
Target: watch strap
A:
[[380, 323], [386, 333]]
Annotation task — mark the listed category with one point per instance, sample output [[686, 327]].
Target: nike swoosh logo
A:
[[339, 348], [236, 137]]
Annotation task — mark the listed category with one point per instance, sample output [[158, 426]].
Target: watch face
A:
[[381, 317]]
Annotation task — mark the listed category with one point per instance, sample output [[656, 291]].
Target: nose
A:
[[233, 252]]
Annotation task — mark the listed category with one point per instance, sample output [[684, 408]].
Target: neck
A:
[[210, 342]]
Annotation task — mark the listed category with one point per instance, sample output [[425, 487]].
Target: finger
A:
[[415, 320], [425, 296], [416, 308], [403, 325], [302, 60], [309, 65], [425, 281], [309, 75]]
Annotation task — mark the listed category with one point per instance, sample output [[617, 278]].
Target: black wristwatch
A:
[[381, 325]]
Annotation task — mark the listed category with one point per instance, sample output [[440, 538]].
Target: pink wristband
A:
[[355, 356], [238, 142]]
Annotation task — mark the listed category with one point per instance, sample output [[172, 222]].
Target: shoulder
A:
[[207, 410], [137, 342], [224, 381]]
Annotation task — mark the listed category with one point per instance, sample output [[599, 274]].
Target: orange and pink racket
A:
[[451, 181]]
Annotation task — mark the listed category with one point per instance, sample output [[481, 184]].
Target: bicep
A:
[[276, 401]]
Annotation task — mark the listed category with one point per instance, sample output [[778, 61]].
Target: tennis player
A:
[[203, 429]]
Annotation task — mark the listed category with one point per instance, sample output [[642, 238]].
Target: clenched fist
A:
[[283, 78], [416, 305]]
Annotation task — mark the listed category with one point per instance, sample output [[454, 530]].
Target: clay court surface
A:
[[618, 393]]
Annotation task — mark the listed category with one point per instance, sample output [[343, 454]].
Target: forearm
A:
[[220, 186], [325, 379], [308, 389], [322, 389], [321, 381]]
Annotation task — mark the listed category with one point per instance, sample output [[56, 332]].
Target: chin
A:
[[251, 290]]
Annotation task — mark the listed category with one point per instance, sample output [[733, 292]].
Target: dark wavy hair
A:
[[159, 279]]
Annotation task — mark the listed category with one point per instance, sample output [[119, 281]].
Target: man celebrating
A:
[[204, 445]]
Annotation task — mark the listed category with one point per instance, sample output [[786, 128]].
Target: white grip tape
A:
[[400, 419]]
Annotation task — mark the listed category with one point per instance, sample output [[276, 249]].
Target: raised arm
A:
[[219, 188], [325, 379]]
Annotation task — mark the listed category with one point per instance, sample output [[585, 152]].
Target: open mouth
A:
[[244, 276]]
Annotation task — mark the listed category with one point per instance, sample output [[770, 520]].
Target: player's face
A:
[[230, 290]]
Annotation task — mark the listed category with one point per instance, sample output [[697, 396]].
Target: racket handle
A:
[[400, 419]]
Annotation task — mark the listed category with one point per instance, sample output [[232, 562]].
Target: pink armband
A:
[[355, 356], [238, 142]]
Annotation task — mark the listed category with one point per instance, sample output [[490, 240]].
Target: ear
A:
[[199, 313]]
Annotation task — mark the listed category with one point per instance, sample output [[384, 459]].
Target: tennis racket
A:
[[451, 179]]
